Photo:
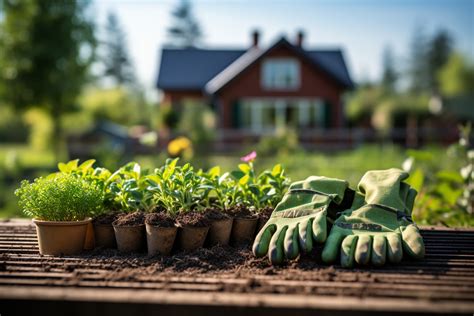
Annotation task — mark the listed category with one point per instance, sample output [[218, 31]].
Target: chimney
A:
[[255, 38], [299, 38]]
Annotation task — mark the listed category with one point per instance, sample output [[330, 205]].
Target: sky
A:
[[362, 29]]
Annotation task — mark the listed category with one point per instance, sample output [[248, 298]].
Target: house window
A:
[[281, 74], [266, 115]]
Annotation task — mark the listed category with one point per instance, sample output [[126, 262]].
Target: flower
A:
[[249, 157], [179, 146]]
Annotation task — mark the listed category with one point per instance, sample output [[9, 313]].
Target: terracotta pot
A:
[[89, 243], [243, 230], [219, 232], [191, 238], [130, 238], [160, 240], [61, 238], [104, 236]]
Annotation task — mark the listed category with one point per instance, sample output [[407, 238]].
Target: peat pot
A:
[[160, 240], [89, 243], [243, 230], [219, 232], [130, 238], [61, 238], [104, 236], [191, 238]]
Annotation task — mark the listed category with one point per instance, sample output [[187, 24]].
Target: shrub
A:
[[60, 197]]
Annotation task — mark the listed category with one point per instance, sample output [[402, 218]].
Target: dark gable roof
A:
[[192, 68], [211, 70]]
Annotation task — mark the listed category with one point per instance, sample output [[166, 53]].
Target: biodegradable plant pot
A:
[[129, 238], [243, 230], [263, 217], [160, 240], [89, 243], [219, 232], [104, 236], [191, 238], [61, 238]]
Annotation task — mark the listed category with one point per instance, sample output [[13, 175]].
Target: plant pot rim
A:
[[253, 218], [128, 226], [158, 226], [192, 226], [61, 223]]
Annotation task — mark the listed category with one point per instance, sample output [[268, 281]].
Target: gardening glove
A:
[[379, 223], [300, 218]]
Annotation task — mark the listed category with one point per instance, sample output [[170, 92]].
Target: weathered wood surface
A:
[[441, 283]]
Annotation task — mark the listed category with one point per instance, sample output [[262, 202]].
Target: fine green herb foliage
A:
[[100, 177], [62, 197]]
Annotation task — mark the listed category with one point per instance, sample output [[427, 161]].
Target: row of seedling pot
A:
[[173, 207]]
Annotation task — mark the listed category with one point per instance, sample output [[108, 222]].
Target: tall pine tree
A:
[[389, 74], [439, 50], [116, 60], [185, 30]]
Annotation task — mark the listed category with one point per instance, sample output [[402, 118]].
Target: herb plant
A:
[[60, 197]]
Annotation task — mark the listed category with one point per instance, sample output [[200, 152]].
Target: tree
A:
[[389, 74], [439, 50], [46, 50], [185, 31], [418, 67], [456, 77], [116, 60]]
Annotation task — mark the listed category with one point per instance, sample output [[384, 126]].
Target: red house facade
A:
[[258, 90]]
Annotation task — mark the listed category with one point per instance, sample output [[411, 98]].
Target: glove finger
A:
[[320, 227], [347, 251], [379, 250], [413, 242], [332, 246], [291, 243], [363, 249], [305, 236], [262, 241], [275, 249], [394, 249]]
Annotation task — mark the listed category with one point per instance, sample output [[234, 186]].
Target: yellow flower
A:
[[179, 145]]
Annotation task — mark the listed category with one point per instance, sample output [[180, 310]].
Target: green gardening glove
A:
[[300, 218], [378, 225]]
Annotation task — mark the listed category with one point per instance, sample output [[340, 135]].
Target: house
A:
[[257, 90]]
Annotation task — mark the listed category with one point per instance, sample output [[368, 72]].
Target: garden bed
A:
[[213, 280]]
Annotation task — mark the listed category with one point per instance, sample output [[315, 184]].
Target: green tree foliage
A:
[[185, 30], [46, 50], [439, 50], [456, 77], [389, 74], [116, 59]]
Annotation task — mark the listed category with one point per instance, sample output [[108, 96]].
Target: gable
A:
[[313, 81]]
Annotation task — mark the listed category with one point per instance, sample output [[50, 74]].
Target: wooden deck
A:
[[118, 285]]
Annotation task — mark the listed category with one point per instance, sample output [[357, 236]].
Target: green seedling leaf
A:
[[214, 171], [87, 164], [72, 165], [244, 180], [237, 174], [276, 170], [63, 167], [245, 167]]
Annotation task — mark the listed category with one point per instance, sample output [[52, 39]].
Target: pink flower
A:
[[250, 157]]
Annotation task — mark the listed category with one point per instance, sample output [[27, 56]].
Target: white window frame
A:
[[279, 62]]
